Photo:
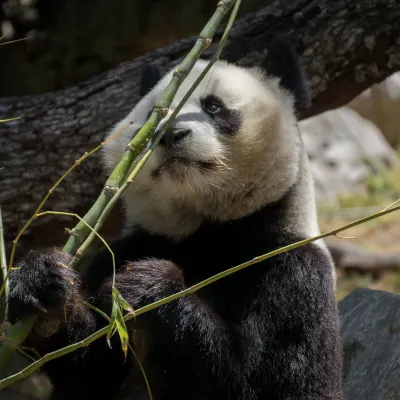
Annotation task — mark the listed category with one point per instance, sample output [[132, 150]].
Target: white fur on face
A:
[[223, 176]]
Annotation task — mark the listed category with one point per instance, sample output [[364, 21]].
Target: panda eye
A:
[[212, 105]]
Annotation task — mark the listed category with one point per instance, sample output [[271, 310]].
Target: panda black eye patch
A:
[[225, 120], [212, 105]]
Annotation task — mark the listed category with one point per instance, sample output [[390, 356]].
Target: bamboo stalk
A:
[[138, 143], [96, 335], [156, 139]]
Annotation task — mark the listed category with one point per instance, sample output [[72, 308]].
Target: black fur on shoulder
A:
[[283, 62]]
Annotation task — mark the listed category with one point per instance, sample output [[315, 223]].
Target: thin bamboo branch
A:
[[103, 314], [143, 372], [3, 258], [99, 211], [14, 41], [34, 351], [9, 119], [23, 352], [65, 350], [391, 205]]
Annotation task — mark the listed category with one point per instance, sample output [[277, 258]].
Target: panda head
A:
[[233, 148]]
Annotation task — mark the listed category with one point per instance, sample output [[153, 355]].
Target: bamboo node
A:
[[224, 3], [163, 111], [207, 42], [110, 189], [180, 74]]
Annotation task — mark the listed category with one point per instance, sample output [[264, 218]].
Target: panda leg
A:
[[185, 321]]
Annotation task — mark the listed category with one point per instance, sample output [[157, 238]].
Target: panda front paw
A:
[[42, 284], [149, 280]]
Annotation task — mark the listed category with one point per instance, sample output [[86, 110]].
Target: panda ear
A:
[[150, 76], [283, 62]]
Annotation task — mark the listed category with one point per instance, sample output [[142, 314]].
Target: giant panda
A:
[[229, 181]]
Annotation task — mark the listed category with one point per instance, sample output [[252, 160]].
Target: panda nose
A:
[[173, 136]]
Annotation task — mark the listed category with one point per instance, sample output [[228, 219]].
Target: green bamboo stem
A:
[[138, 143], [15, 336], [69, 349]]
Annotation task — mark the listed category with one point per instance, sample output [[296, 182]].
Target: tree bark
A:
[[351, 258], [346, 46]]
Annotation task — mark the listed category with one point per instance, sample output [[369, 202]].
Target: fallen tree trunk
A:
[[351, 258], [346, 46]]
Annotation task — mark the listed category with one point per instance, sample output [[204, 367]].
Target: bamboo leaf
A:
[[117, 322], [121, 301], [112, 323], [123, 331]]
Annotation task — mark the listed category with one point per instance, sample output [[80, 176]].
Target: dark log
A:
[[370, 322], [351, 258], [346, 46]]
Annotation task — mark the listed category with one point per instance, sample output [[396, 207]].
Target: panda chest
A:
[[203, 256]]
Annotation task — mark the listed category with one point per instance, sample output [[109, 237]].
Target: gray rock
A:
[[345, 150], [371, 343]]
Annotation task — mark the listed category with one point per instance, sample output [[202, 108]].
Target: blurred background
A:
[[354, 150]]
